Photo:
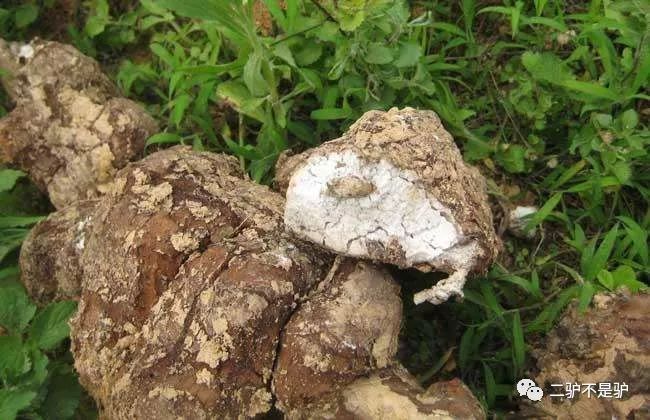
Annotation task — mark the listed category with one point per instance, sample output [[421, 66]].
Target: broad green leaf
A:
[[515, 18], [8, 178], [246, 151], [551, 23], [63, 395], [630, 119], [95, 25], [12, 357], [252, 76], [180, 104], [513, 159], [606, 279], [490, 298], [448, 27], [539, 6], [164, 55], [12, 401], [622, 171], [233, 16], [12, 239], [39, 372], [261, 167], [50, 325], [545, 66], [238, 95], [282, 51], [606, 51], [408, 55], [519, 281], [11, 272], [309, 52], [15, 308], [378, 53], [25, 15], [625, 276]]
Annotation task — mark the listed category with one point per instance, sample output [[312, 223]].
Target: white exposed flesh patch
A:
[[26, 51], [343, 202], [519, 218], [443, 290]]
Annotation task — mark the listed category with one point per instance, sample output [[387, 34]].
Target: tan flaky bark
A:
[[188, 280], [609, 343], [49, 259], [70, 129], [337, 356], [395, 189]]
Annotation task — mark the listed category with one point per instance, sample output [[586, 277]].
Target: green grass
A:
[[548, 98]]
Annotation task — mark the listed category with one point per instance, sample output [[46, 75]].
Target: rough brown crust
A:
[[349, 328], [337, 356], [70, 129], [189, 290], [415, 141], [609, 343], [49, 257], [393, 394], [188, 279]]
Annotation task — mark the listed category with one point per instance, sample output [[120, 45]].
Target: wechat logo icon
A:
[[528, 387]]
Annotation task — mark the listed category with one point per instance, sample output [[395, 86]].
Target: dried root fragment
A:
[[49, 258], [395, 189], [609, 343], [70, 129]]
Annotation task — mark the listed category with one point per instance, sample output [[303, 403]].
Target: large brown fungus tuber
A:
[[394, 188], [194, 301], [337, 356], [70, 129], [608, 344], [188, 281]]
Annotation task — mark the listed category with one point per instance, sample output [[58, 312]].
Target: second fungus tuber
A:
[[70, 129]]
